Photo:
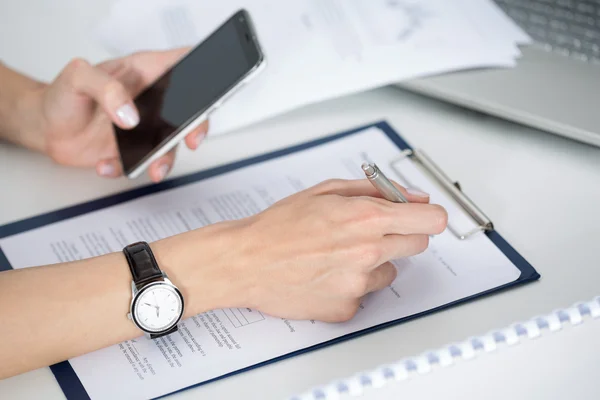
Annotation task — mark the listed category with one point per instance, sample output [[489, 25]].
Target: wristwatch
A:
[[156, 304]]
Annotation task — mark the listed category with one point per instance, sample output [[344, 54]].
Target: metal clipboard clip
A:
[[452, 188]]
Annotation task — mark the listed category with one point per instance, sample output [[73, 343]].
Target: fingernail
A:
[[162, 171], [199, 138], [128, 115], [417, 193], [106, 170]]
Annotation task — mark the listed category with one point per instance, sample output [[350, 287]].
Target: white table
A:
[[501, 166]]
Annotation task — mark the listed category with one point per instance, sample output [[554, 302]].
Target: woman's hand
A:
[[72, 116], [313, 255]]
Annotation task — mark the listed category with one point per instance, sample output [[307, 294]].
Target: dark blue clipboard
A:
[[64, 373]]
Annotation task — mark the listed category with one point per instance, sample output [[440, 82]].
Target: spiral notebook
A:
[[554, 356]]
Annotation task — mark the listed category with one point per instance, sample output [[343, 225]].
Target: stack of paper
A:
[[321, 49]]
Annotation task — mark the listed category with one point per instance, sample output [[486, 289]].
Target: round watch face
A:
[[158, 307]]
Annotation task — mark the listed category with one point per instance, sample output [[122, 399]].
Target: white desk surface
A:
[[541, 191]]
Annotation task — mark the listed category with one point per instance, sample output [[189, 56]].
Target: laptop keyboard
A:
[[568, 27]]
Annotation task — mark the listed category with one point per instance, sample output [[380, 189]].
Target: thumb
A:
[[110, 94]]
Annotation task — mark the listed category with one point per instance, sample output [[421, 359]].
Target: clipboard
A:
[[64, 372]]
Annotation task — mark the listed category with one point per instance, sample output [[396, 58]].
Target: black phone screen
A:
[[187, 90]]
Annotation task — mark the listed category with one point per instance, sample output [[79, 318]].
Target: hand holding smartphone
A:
[[183, 97]]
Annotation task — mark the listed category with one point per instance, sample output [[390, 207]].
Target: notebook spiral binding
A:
[[468, 349]]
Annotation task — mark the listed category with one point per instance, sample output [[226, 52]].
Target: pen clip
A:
[[452, 188]]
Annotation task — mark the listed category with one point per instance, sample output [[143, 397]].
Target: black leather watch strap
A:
[[142, 263], [158, 335]]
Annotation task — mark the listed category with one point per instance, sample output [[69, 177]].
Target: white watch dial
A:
[[158, 307]]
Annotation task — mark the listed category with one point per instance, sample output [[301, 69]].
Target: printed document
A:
[[223, 341], [318, 50]]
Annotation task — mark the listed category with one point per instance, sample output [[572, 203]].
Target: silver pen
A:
[[383, 184]]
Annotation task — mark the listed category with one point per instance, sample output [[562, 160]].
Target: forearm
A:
[[56, 312], [51, 313], [17, 124]]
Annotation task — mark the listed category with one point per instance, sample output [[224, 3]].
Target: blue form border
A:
[[64, 373]]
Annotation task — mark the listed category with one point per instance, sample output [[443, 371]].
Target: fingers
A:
[[382, 217], [411, 218], [366, 208], [122, 70], [195, 138], [138, 70], [414, 195], [110, 168], [170, 57], [393, 247], [336, 312], [381, 277], [363, 187], [354, 287], [160, 168], [152, 64], [107, 91]]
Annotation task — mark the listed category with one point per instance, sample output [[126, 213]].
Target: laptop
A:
[[555, 86]]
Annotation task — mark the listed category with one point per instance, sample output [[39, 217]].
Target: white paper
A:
[[223, 341], [318, 50], [500, 32]]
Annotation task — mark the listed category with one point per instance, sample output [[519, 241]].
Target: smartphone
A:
[[184, 96]]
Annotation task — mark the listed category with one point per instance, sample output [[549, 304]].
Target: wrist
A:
[[21, 110], [201, 265], [28, 115]]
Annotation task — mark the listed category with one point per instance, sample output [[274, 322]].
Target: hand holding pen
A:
[[385, 187]]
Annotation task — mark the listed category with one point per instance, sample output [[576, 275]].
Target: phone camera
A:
[[241, 19]]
